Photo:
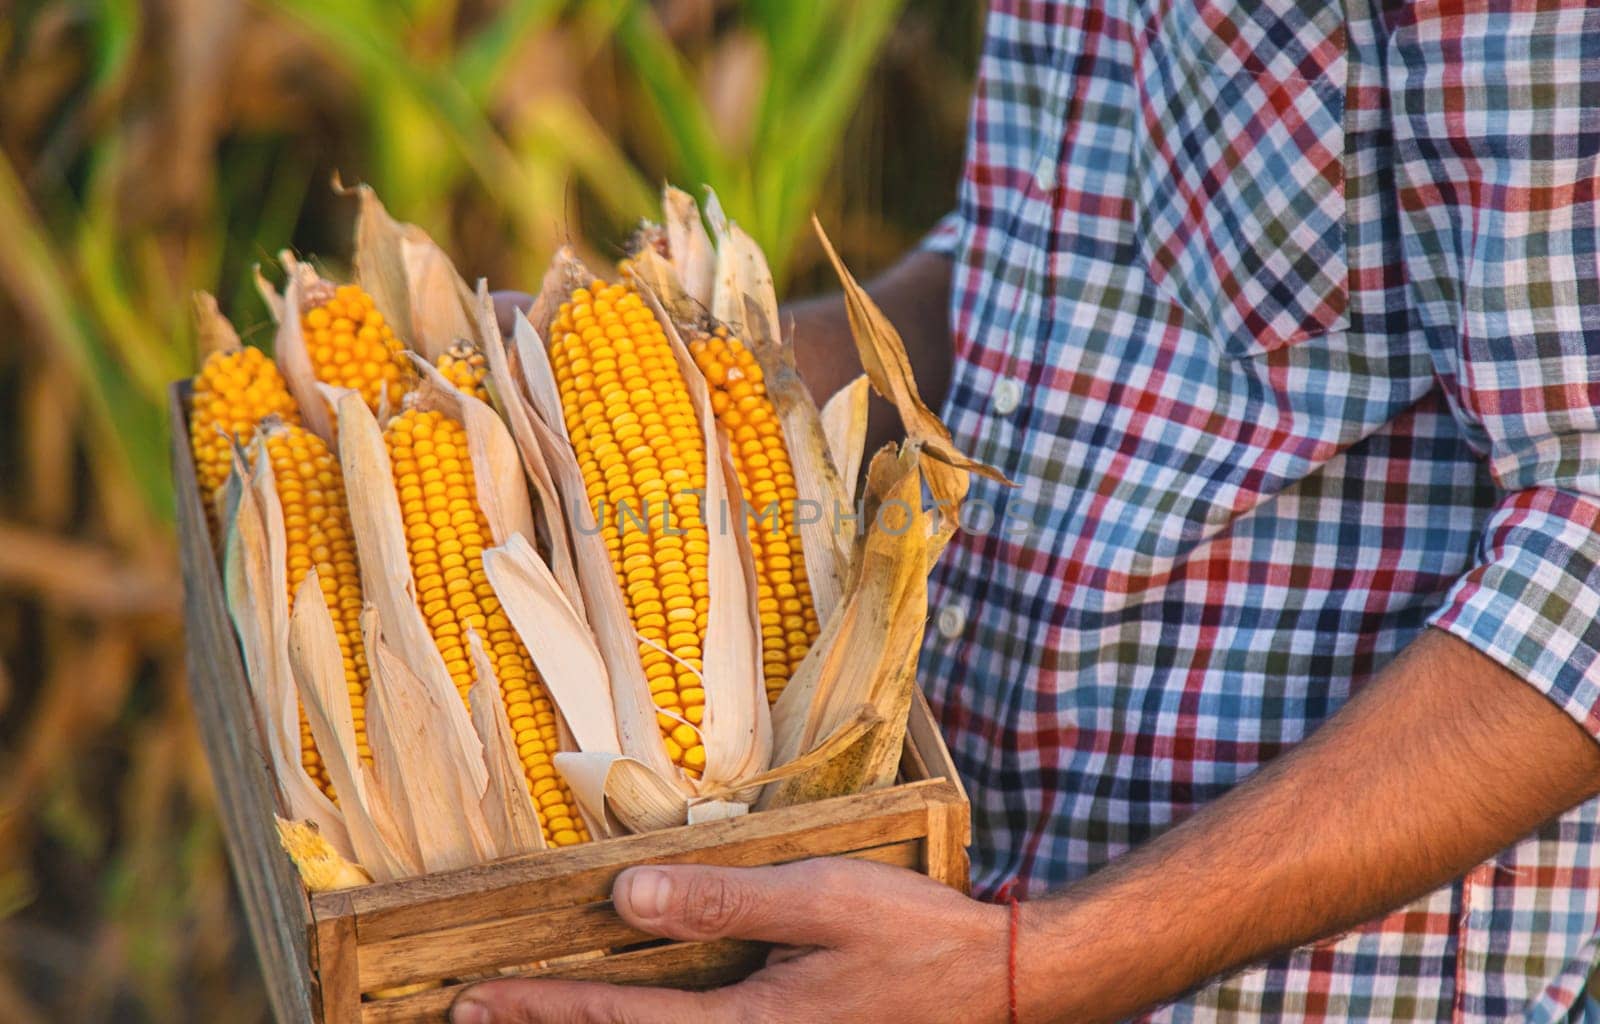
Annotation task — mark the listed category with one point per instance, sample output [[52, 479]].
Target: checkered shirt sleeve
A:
[[1497, 139]]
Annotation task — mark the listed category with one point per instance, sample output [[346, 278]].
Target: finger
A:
[[809, 903], [583, 1002], [506, 306]]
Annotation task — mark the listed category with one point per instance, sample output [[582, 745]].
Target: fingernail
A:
[[469, 1011], [649, 891]]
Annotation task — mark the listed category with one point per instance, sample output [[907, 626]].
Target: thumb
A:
[[802, 904]]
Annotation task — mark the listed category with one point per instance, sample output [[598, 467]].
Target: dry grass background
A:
[[151, 147]]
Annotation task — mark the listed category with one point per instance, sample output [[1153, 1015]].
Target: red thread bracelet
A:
[[1003, 895], [1011, 972]]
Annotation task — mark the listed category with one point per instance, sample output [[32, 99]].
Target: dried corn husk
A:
[[551, 524], [567, 657], [867, 652], [214, 332], [690, 246], [289, 345], [883, 357], [411, 280], [255, 582], [844, 424], [505, 803], [428, 757], [375, 837]]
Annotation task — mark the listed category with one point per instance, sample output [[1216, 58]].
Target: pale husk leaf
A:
[[844, 424], [421, 732], [270, 296], [411, 280], [566, 655], [716, 810], [743, 280], [319, 672], [507, 807], [883, 357], [649, 269], [624, 790], [289, 349], [842, 738], [213, 331], [386, 779], [543, 394], [256, 589], [380, 536], [865, 652], [552, 518], [585, 776], [688, 245]]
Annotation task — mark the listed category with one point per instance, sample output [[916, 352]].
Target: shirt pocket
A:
[[1239, 167]]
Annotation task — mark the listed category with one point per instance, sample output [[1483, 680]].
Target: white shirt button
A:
[[952, 620], [1007, 396], [1044, 175]]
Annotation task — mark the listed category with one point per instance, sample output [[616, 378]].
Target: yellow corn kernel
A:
[[351, 346], [761, 460], [317, 530], [233, 392], [464, 365], [642, 456], [445, 535]]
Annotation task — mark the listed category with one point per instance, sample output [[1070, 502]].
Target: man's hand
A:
[[853, 941]]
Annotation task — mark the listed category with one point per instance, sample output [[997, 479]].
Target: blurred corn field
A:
[[152, 147]]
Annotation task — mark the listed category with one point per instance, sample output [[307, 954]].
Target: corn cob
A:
[[643, 458], [445, 535], [463, 364], [233, 392], [321, 867], [351, 346], [746, 415], [317, 530]]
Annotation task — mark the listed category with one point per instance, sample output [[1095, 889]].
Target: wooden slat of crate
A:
[[274, 900], [925, 743], [690, 965], [584, 873]]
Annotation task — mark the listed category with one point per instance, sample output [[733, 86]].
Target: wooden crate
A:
[[320, 953]]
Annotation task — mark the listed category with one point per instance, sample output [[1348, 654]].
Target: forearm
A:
[[1441, 761], [915, 295]]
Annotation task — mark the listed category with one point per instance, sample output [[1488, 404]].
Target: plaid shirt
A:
[[1285, 315]]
